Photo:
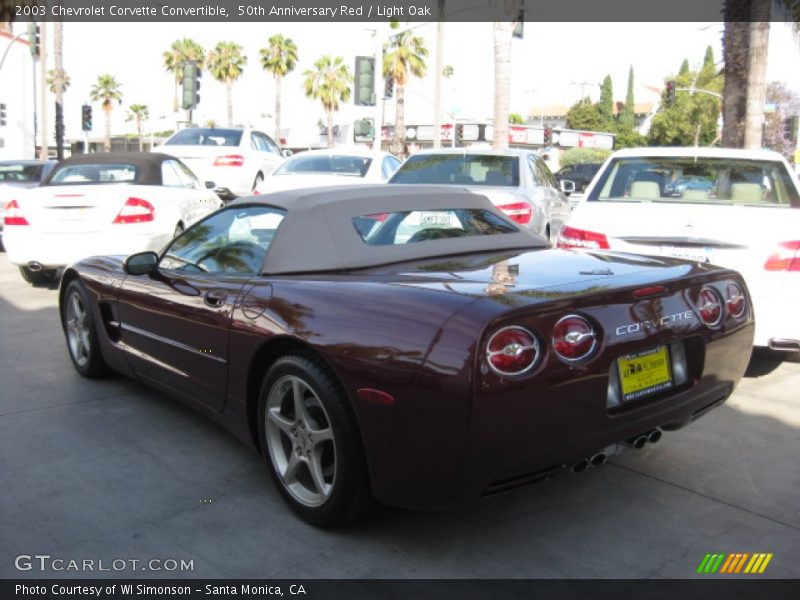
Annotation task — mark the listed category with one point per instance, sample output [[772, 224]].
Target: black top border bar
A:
[[412, 11]]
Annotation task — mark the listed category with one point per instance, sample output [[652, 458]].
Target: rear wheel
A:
[[178, 230], [38, 277], [81, 332], [309, 435], [257, 183]]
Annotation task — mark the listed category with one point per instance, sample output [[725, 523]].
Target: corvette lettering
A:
[[642, 325]]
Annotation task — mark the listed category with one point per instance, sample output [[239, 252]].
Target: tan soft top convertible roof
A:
[[318, 233]]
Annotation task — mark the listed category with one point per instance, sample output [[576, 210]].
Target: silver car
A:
[[518, 182]]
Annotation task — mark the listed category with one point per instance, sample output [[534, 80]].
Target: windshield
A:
[[20, 172], [709, 180], [94, 173], [200, 136], [355, 166], [463, 169]]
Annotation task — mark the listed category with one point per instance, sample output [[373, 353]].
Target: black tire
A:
[[178, 230], [349, 496], [38, 277], [80, 331], [258, 181]]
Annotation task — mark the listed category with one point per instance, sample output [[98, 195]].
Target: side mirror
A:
[[210, 185], [286, 153], [141, 263], [567, 186]]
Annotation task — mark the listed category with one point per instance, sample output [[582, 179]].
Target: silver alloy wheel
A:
[[300, 441], [78, 335]]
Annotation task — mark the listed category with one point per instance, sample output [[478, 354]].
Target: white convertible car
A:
[[735, 208], [115, 203]]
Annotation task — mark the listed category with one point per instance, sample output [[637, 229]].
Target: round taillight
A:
[[574, 338], [735, 300], [512, 351], [709, 307]]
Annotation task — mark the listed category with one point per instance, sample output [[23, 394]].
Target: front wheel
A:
[[81, 332], [308, 432]]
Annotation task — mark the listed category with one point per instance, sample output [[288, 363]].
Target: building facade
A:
[[17, 98]]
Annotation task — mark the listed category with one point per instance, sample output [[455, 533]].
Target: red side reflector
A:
[[230, 160], [785, 258], [647, 292], [374, 396], [13, 215]]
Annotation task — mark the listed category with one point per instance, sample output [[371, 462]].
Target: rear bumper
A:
[[775, 318], [55, 250]]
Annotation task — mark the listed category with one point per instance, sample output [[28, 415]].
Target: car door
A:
[[175, 324], [201, 200], [268, 150], [557, 204]]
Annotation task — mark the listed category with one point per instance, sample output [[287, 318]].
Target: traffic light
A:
[[388, 88], [670, 92], [191, 84], [86, 117], [548, 136], [2, 115], [34, 39], [364, 81], [459, 134], [790, 128], [363, 130]]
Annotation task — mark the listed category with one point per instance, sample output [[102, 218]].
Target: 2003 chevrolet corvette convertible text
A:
[[410, 343]]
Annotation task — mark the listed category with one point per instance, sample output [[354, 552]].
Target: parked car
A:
[[236, 159], [16, 174], [581, 174], [114, 203], [736, 208], [458, 362], [516, 181], [331, 166]]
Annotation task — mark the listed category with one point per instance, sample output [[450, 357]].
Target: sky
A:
[[554, 64]]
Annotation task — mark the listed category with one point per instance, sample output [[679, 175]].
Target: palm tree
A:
[[58, 78], [181, 51], [405, 56], [58, 81], [225, 63], [330, 84], [138, 113], [502, 81], [279, 58], [106, 91]]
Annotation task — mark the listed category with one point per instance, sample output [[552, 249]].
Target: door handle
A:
[[214, 298]]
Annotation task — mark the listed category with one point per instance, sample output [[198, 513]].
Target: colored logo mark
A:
[[735, 563]]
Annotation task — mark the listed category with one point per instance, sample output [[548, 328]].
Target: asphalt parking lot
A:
[[109, 470]]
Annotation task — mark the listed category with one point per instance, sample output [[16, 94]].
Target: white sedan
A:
[[116, 203], [236, 159], [735, 208], [334, 166]]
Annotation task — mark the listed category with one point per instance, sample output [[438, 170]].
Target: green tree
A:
[[139, 113], [585, 115], [516, 119], [329, 83], [279, 58], [627, 119], [58, 78], [403, 57], [684, 67], [575, 156], [226, 63], [106, 91], [606, 104], [709, 57], [181, 51]]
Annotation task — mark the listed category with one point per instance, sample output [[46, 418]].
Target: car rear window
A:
[[199, 136], [459, 169], [412, 226], [356, 166], [711, 180], [94, 174], [20, 172]]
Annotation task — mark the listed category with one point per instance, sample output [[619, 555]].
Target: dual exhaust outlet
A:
[[638, 442]]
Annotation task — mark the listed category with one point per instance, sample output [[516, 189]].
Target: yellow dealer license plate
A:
[[644, 373]]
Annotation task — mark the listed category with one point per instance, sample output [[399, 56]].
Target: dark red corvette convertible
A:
[[410, 344]]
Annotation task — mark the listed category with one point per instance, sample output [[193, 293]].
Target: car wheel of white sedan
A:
[[38, 277], [309, 434], [257, 183]]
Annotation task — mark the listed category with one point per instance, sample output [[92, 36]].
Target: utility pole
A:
[[377, 141], [437, 98], [43, 154]]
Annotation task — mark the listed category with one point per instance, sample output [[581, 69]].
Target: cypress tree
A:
[[684, 67], [606, 104], [627, 119]]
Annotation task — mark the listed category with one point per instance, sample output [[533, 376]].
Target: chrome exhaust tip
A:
[[581, 466], [637, 442], [598, 459], [784, 345], [654, 436], [35, 266]]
